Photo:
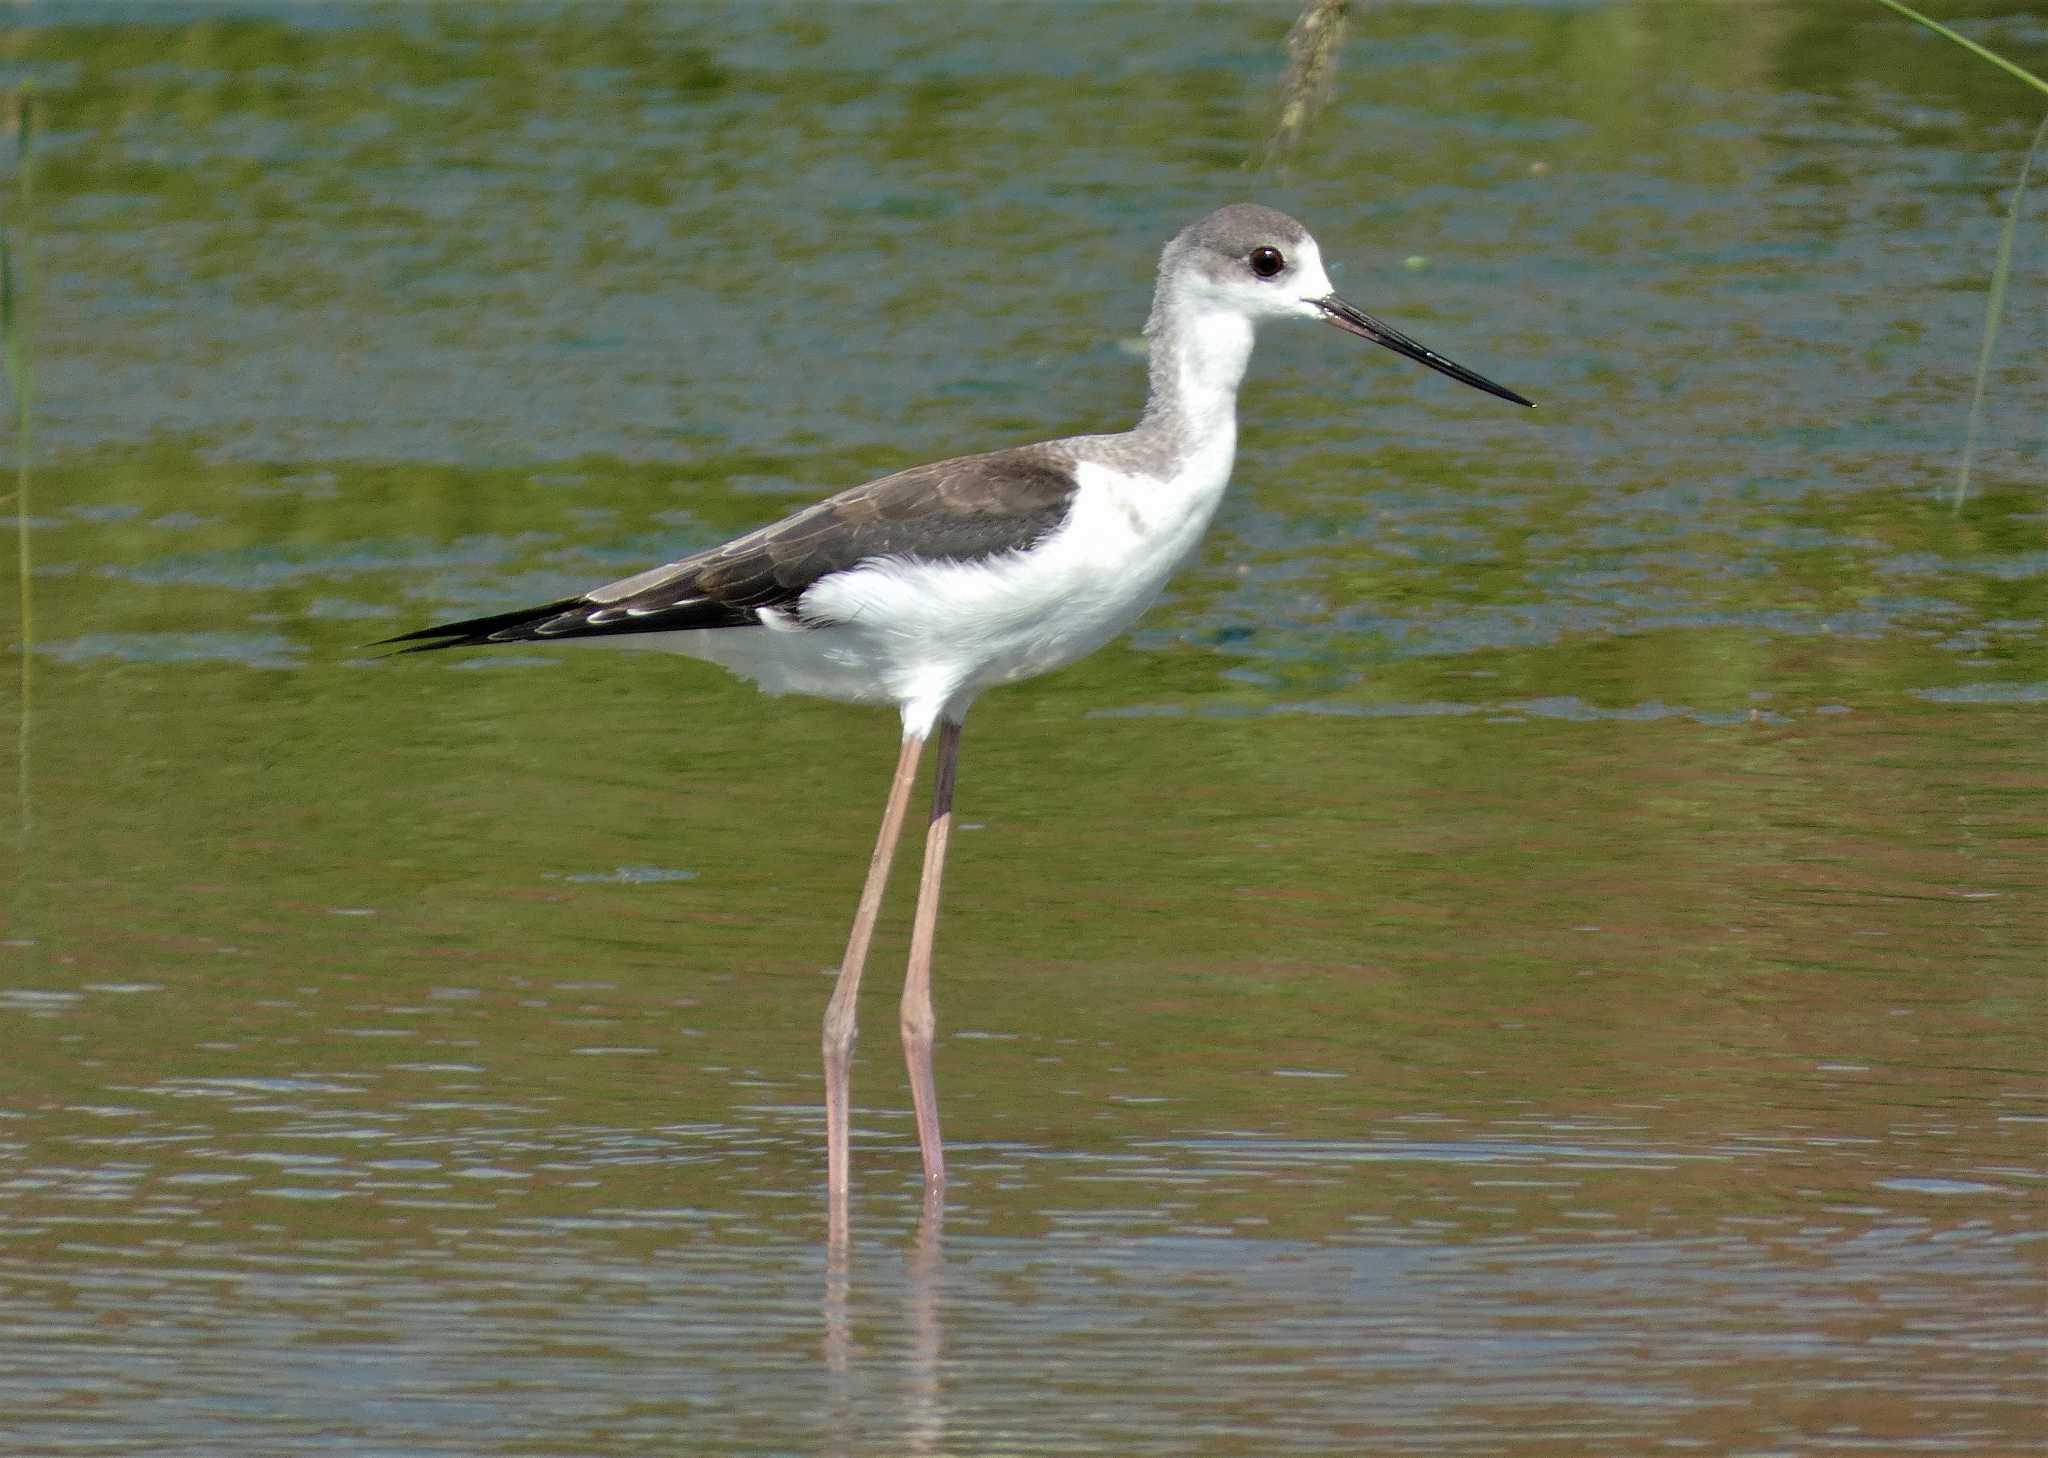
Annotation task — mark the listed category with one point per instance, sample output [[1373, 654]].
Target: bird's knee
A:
[[918, 1025], [840, 1033]]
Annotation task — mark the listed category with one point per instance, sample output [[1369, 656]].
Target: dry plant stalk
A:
[[1312, 47]]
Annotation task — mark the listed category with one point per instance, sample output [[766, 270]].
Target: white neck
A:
[[1198, 361]]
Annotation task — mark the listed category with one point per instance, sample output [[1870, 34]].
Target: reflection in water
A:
[[838, 1342], [925, 1425], [921, 1422]]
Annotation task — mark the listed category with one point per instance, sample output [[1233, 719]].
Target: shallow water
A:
[[1535, 947]]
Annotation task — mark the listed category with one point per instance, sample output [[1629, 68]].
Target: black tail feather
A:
[[475, 632]]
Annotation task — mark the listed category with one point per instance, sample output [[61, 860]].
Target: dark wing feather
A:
[[962, 510]]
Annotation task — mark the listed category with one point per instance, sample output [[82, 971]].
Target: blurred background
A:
[[1534, 947]]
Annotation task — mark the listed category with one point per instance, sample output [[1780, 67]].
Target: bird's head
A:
[[1261, 265]]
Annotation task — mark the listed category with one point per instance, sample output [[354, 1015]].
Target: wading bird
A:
[[926, 587]]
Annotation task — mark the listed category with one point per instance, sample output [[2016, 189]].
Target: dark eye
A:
[[1267, 261]]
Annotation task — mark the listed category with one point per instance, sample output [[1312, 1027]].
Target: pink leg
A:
[[918, 1023], [840, 1012]]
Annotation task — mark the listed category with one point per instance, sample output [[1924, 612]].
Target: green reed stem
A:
[[1993, 307], [1969, 45]]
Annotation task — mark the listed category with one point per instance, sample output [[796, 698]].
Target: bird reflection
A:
[[923, 1422], [925, 1425]]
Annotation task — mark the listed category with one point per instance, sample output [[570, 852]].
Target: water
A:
[[1534, 948]]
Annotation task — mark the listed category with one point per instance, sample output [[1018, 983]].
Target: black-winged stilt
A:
[[923, 588]]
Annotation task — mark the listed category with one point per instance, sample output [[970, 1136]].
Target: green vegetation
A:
[[1994, 309], [2011, 68], [2001, 271]]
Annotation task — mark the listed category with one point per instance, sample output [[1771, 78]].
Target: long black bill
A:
[[1354, 321]]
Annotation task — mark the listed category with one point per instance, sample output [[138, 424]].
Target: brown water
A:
[[1535, 948]]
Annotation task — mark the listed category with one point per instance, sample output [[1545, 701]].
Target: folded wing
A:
[[962, 510]]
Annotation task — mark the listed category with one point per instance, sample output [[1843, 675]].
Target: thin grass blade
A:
[[2009, 67], [1994, 306]]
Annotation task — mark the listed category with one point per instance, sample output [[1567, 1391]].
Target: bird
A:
[[924, 588]]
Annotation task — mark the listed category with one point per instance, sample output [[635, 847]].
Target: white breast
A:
[[937, 633], [929, 636]]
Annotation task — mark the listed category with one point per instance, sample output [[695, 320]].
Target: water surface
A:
[[1535, 947]]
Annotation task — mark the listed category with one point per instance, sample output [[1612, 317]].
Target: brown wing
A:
[[962, 510]]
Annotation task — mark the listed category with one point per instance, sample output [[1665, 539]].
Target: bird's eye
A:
[[1267, 261]]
